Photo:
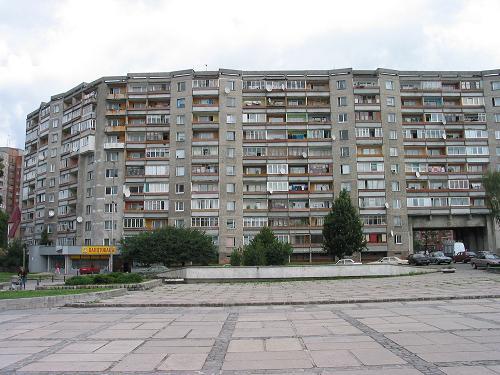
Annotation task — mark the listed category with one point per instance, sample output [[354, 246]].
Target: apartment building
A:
[[231, 151], [10, 187]]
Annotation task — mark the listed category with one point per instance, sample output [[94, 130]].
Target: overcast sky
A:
[[50, 46]]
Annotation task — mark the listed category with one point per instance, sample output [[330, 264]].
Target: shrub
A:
[[266, 250], [236, 257], [110, 278]]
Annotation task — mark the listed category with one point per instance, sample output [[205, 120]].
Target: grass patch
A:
[[6, 276], [109, 278], [14, 294]]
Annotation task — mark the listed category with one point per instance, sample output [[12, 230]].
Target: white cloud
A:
[[65, 42]]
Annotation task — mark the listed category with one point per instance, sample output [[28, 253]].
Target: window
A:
[[341, 84], [345, 186], [230, 119], [180, 154], [396, 204], [230, 152], [394, 168], [397, 221], [231, 102], [181, 103], [180, 171], [230, 136], [393, 151], [391, 117], [179, 223], [497, 134], [110, 207], [212, 221], [180, 136], [345, 169], [230, 188], [344, 152], [395, 185], [88, 226], [88, 209], [496, 102], [342, 117], [390, 101], [111, 190], [111, 156], [393, 134], [389, 85], [90, 175], [181, 86], [179, 206], [344, 135], [110, 173], [231, 224], [397, 239], [179, 188], [230, 170], [342, 101], [180, 119], [133, 223], [230, 205]]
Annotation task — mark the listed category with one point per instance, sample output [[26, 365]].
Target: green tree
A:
[[491, 182], [1, 175], [235, 258], [4, 227], [266, 249], [343, 230], [11, 257], [169, 246], [44, 239]]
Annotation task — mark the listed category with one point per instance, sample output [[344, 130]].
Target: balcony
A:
[[115, 129], [116, 112], [89, 147], [117, 96], [114, 145]]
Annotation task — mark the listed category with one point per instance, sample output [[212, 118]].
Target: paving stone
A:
[[124, 334], [81, 357], [82, 347], [282, 344], [8, 359], [377, 356], [469, 370], [334, 358], [236, 346], [461, 356], [139, 362], [119, 347], [66, 366], [188, 362], [264, 356], [173, 332], [269, 364]]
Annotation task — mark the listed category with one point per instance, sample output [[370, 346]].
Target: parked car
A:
[[464, 256], [347, 262], [438, 257], [418, 259], [390, 260], [485, 260], [89, 270]]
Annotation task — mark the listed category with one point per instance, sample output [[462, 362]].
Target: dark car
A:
[[485, 260], [438, 257], [464, 256], [418, 259]]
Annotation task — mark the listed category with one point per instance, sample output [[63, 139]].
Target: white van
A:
[[452, 248]]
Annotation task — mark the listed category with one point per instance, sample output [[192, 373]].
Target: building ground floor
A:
[[69, 260]]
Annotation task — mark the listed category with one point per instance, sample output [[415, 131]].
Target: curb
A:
[[56, 301], [281, 303], [145, 285]]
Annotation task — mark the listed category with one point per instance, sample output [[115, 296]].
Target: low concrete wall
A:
[[222, 274], [146, 285], [55, 301]]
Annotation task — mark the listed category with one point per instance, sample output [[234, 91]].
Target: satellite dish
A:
[[51, 213], [41, 157], [392, 233], [333, 138], [270, 191], [282, 171], [304, 155], [283, 86], [417, 174], [386, 205], [227, 90], [444, 136], [269, 88], [127, 193], [79, 219]]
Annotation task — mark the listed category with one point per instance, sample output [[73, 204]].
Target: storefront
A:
[[71, 259]]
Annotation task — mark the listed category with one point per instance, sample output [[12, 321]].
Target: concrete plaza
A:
[[390, 338]]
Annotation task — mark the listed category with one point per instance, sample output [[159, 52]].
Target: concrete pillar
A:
[[490, 237], [67, 264], [110, 264], [48, 263]]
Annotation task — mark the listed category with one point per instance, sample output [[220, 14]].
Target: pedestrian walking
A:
[[23, 274]]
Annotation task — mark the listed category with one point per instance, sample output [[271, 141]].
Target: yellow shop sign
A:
[[98, 250]]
